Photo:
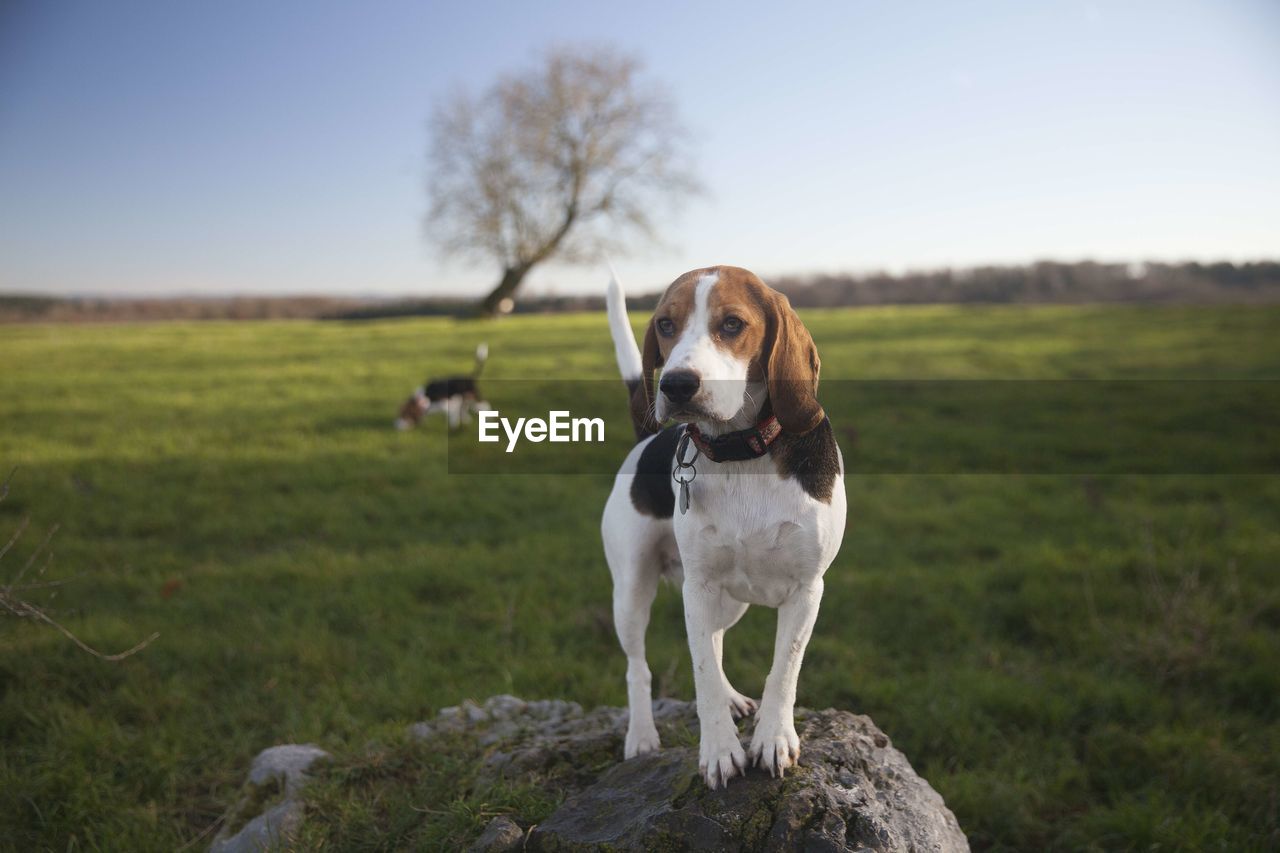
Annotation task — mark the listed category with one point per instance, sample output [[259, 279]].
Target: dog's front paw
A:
[[640, 741], [720, 755], [775, 746]]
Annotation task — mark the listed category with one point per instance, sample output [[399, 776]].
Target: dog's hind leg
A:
[[639, 547], [634, 588]]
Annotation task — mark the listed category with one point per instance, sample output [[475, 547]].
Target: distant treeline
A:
[[46, 309], [1042, 282]]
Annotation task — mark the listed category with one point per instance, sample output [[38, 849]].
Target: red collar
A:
[[750, 443]]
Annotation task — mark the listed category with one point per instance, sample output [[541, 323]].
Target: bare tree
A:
[[566, 161]]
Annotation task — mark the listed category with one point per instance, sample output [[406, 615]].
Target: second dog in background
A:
[[454, 396]]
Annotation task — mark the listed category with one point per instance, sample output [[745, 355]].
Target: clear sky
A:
[[243, 146]]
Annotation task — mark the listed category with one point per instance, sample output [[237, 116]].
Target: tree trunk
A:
[[511, 278]]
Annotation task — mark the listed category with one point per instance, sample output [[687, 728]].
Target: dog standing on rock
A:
[[741, 502]]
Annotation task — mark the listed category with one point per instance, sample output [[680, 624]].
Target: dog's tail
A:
[[482, 355], [630, 365]]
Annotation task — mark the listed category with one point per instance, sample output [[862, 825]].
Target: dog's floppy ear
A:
[[791, 370], [643, 395]]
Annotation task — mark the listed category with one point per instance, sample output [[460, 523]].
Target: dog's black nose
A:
[[680, 385]]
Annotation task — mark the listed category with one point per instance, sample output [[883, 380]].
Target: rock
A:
[[852, 791], [270, 806], [502, 835]]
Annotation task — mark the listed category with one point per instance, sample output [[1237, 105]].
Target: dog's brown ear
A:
[[791, 370], [643, 395]]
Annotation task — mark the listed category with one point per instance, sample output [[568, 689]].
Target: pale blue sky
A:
[[275, 147]]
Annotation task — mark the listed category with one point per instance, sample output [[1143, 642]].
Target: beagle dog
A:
[[740, 502], [456, 396]]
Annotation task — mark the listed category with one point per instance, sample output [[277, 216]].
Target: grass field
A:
[[1073, 662]]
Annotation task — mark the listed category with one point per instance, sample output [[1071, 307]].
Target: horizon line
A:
[[376, 296]]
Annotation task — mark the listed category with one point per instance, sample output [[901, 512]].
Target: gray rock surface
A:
[[502, 835], [852, 790], [270, 806]]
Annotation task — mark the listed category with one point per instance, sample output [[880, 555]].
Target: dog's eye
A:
[[666, 327], [731, 325]]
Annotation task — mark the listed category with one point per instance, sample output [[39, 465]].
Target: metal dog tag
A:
[[685, 473]]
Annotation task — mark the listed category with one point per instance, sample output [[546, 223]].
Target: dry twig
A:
[[12, 602]]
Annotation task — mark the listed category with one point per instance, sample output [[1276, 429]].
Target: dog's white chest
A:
[[756, 536]]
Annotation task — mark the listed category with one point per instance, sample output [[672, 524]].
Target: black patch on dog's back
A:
[[651, 490], [454, 386], [812, 459]]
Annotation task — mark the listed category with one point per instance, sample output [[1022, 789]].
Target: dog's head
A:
[[728, 345], [412, 410]]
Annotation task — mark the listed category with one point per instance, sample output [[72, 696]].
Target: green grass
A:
[[1073, 662]]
